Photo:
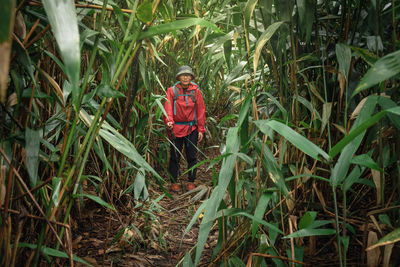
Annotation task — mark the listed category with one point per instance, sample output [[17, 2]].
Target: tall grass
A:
[[309, 119]]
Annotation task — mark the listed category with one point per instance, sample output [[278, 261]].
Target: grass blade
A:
[[385, 68], [64, 23], [295, 138]]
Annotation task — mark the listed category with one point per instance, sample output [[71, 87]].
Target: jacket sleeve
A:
[[168, 106], [200, 112]]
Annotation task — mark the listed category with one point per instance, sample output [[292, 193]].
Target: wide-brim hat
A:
[[184, 70]]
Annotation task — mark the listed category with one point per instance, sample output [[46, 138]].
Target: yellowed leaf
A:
[[387, 254], [376, 176], [373, 254]]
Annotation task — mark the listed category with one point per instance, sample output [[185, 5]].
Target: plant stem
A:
[[337, 226]]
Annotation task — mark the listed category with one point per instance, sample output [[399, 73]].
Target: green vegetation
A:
[[302, 97]]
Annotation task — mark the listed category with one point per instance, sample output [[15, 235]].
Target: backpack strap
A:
[[176, 93], [192, 95]]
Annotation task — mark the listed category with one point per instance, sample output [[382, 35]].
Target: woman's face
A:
[[185, 79]]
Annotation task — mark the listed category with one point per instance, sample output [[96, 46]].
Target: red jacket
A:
[[185, 110]]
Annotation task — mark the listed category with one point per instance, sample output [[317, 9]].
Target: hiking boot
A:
[[190, 186], [174, 188]]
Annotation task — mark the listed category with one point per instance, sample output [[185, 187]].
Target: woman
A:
[[185, 119]]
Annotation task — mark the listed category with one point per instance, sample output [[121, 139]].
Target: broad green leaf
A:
[[311, 232], [32, 145], [343, 54], [295, 138], [385, 68], [366, 161], [342, 166], [187, 261], [285, 9], [96, 199], [145, 11], [272, 167], [104, 90], [238, 212], [56, 190], [352, 178], [267, 11], [235, 261], [225, 175], [388, 239], [120, 143], [365, 54], [307, 219], [309, 106], [384, 218], [140, 185], [260, 210], [176, 25], [306, 9], [262, 40], [355, 133], [244, 110], [64, 24], [276, 102], [387, 103], [53, 252]]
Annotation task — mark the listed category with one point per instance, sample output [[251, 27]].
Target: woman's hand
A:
[[200, 136], [170, 125]]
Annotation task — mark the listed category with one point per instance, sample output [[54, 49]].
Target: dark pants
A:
[[190, 142]]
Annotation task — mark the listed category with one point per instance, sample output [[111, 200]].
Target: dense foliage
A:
[[302, 97]]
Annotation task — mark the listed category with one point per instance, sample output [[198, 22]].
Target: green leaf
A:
[[104, 90], [365, 54], [95, 199], [351, 179], [56, 190], [311, 232], [32, 145], [295, 138], [238, 212], [387, 103], [145, 11], [260, 210], [307, 219], [342, 166], [385, 68], [356, 132], [176, 25], [388, 239], [366, 161], [187, 261], [244, 110], [225, 175], [343, 54], [64, 24], [272, 167], [140, 185], [53, 252], [306, 17], [120, 143]]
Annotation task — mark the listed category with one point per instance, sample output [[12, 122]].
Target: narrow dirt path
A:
[[104, 237]]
